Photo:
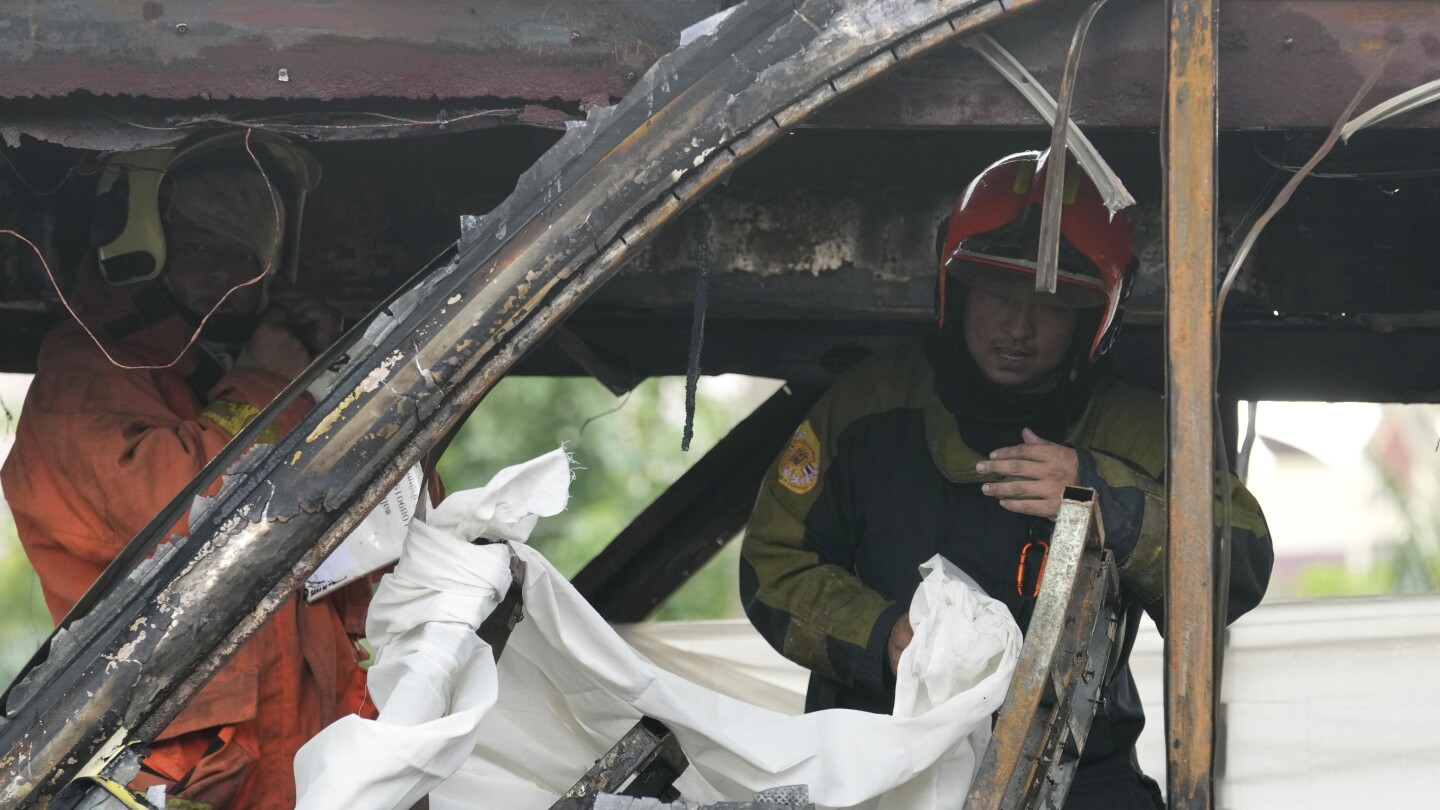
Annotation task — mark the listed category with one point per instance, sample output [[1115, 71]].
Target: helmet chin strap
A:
[[226, 328], [1077, 358]]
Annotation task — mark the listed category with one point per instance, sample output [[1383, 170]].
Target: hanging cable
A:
[[1242, 461], [1358, 171], [697, 324], [596, 417], [1222, 573], [73, 171], [277, 123], [1047, 264]]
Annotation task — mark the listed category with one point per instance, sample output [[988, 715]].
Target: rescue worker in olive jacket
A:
[[962, 445], [182, 234]]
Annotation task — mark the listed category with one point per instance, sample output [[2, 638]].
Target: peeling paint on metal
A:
[[377, 377], [241, 516], [425, 374], [371, 382], [269, 499], [127, 652]]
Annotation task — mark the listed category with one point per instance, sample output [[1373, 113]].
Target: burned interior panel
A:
[[823, 248], [572, 53]]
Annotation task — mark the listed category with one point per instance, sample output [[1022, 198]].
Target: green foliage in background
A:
[[24, 622], [1409, 563], [1333, 579], [1404, 569], [627, 451]]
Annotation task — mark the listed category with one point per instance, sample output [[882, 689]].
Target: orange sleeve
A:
[[102, 445]]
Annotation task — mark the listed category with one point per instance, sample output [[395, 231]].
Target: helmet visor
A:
[[997, 275]]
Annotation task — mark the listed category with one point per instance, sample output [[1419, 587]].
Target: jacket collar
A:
[[952, 457]]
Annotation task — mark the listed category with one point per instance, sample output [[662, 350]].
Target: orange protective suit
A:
[[98, 451]]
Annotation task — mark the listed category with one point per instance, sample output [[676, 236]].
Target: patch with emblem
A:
[[800, 463]]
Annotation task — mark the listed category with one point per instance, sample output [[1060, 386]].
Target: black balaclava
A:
[[230, 330], [991, 416]]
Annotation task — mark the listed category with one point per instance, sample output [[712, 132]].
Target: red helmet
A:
[[994, 230]]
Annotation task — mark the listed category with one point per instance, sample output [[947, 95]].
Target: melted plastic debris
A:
[[791, 797]]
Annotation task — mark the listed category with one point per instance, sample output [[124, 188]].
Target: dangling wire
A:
[[1226, 539], [74, 171], [623, 402], [697, 325]]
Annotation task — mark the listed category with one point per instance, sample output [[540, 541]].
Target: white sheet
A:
[[1328, 703], [726, 655], [568, 687]]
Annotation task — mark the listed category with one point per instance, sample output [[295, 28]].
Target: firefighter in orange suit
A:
[[182, 232]]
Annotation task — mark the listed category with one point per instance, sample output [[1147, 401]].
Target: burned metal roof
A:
[[121, 75]]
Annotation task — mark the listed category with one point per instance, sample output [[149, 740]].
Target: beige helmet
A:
[[127, 226]]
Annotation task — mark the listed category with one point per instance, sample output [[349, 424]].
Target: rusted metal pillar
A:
[[1189, 311]]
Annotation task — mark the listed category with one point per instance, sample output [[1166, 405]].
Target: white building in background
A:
[[1316, 476]]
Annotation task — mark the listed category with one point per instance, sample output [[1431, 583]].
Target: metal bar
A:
[[1111, 188], [1190, 138], [1044, 723], [648, 751], [495, 630], [618, 381], [1047, 268]]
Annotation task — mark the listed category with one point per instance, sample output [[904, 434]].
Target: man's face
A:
[[1013, 335], [201, 267]]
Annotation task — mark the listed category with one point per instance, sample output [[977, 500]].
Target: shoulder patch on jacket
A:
[[800, 463]]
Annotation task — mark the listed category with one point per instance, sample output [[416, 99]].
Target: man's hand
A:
[[316, 324], [900, 637], [275, 347], [1036, 473]]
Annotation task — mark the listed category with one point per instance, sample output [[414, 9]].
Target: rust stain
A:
[[1189, 304]]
